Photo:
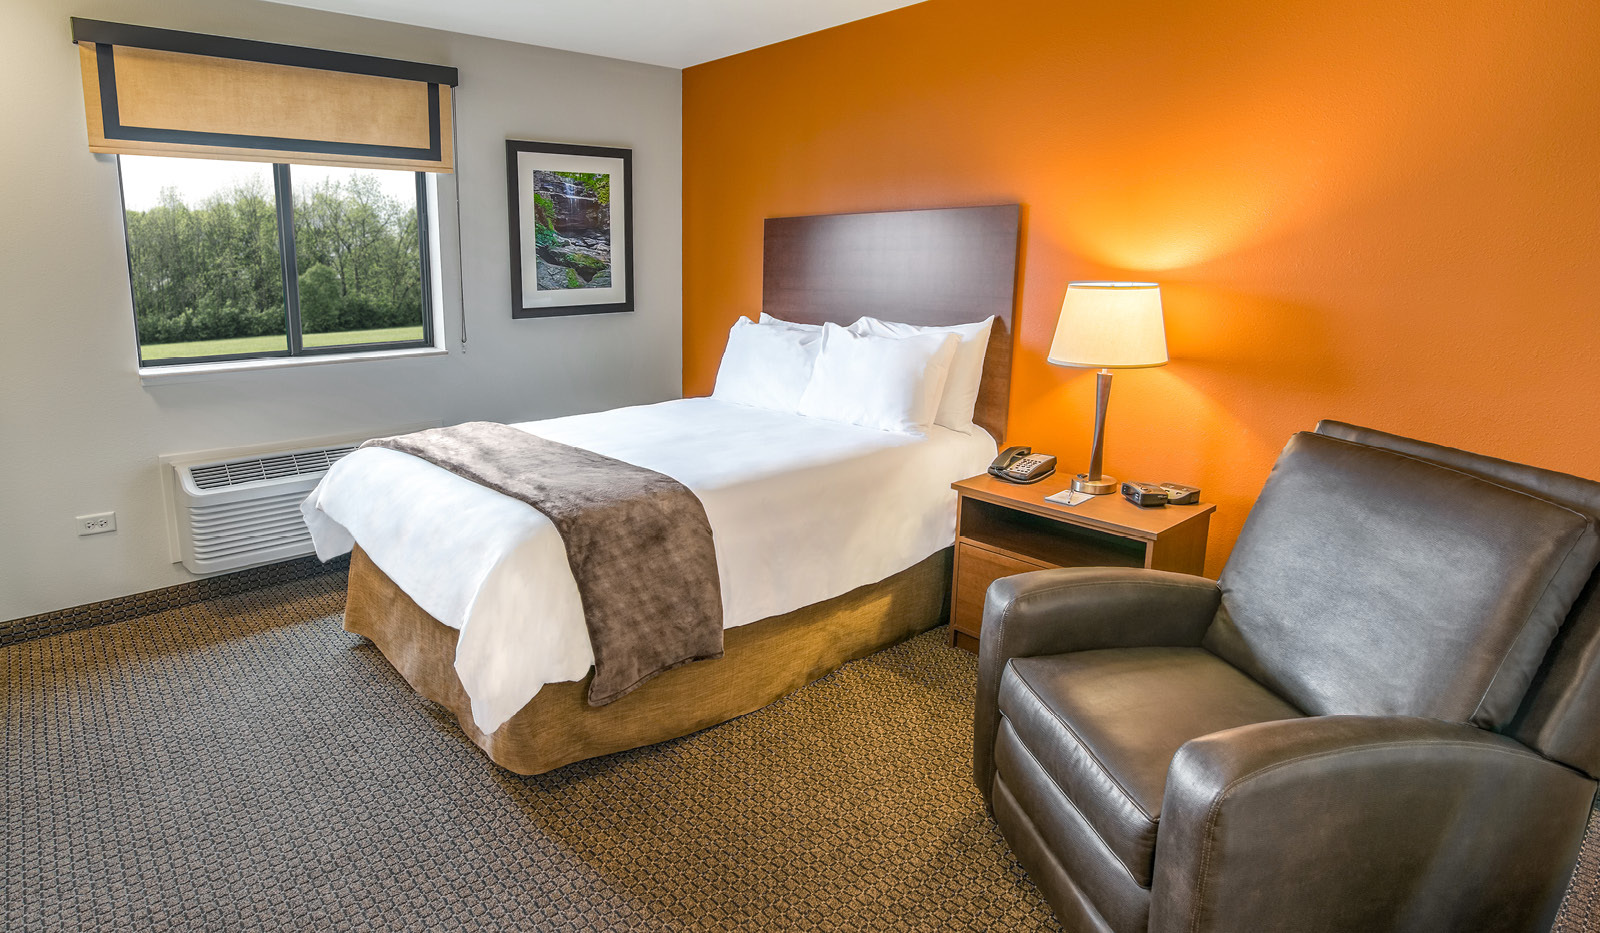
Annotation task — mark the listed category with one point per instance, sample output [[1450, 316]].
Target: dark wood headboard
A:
[[949, 266]]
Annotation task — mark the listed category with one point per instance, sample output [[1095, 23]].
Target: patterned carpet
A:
[[243, 763]]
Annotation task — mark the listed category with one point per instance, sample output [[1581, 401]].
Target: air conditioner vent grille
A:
[[271, 466]]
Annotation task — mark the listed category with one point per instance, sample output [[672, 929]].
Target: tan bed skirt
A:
[[763, 662]]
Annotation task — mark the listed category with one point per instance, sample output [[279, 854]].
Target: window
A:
[[246, 260]]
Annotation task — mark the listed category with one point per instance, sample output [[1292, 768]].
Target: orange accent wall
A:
[[1386, 213]]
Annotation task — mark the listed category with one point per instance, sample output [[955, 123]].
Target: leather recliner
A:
[[1384, 716]]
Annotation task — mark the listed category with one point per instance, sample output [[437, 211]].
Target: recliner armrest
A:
[[1079, 609], [1339, 823]]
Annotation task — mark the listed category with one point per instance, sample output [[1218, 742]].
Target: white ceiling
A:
[[675, 33]]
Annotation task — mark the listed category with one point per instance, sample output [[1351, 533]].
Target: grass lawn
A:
[[238, 345]]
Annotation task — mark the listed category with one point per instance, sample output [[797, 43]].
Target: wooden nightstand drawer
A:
[[1003, 529], [976, 568]]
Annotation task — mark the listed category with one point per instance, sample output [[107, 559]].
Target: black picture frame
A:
[[518, 210]]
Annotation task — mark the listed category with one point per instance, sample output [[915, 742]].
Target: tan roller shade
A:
[[164, 93]]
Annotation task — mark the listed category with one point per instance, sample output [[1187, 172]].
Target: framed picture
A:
[[571, 228]]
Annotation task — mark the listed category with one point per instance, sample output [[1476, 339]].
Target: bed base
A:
[[763, 662]]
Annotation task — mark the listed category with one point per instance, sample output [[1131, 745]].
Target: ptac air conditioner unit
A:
[[246, 511]]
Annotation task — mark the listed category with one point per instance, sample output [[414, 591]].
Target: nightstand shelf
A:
[[1004, 529]]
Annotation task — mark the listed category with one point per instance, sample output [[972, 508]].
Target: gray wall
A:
[[80, 434]]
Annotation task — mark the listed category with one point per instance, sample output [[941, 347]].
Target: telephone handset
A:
[[1022, 465]]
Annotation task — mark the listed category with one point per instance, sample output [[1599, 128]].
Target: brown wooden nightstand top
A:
[[1004, 529], [1109, 512]]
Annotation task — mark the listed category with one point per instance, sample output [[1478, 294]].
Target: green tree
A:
[[212, 270], [189, 263], [321, 299], [370, 241]]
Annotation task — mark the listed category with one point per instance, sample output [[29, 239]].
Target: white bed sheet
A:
[[801, 509]]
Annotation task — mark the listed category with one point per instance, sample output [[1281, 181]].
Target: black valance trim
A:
[[250, 50], [113, 128]]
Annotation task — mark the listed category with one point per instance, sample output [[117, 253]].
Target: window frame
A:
[[288, 263]]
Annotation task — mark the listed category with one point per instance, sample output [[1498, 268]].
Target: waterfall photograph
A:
[[572, 218], [571, 228]]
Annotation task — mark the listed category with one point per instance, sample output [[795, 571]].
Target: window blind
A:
[[161, 92]]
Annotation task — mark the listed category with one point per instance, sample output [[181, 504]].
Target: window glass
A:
[[211, 280], [358, 256], [203, 254]]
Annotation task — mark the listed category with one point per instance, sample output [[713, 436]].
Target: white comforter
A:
[[802, 510]]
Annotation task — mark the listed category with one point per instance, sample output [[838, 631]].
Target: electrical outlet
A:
[[97, 524]]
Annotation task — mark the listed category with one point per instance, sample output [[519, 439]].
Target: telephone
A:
[[1022, 465]]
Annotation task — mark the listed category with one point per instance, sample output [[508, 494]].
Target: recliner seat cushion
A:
[[1368, 582], [1105, 724]]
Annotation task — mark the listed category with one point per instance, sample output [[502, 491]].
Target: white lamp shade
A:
[[1110, 325]]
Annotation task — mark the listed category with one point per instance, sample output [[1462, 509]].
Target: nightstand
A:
[[1003, 529]]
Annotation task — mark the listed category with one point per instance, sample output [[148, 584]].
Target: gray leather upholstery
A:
[[1101, 886], [1105, 724], [1094, 607], [1140, 735], [1370, 582], [1346, 823], [1076, 912], [1561, 707]]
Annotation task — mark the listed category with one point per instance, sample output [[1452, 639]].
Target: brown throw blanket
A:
[[638, 543]]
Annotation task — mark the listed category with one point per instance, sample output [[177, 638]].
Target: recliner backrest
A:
[[1368, 581], [1560, 715]]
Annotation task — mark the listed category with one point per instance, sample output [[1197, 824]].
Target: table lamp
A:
[[1106, 326]]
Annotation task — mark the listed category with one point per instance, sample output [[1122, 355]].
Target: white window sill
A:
[[199, 372]]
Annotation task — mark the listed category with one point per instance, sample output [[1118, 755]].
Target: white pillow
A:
[[769, 319], [765, 366], [888, 383], [966, 370]]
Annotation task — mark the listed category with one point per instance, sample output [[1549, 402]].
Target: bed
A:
[[833, 540]]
